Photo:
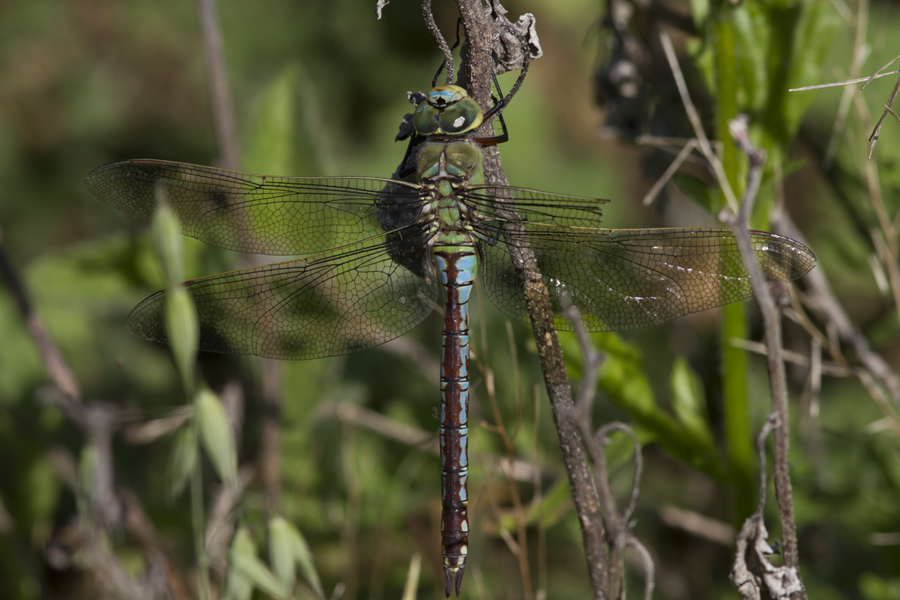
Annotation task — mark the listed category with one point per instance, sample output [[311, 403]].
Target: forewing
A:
[[628, 279], [329, 304], [254, 213], [495, 205]]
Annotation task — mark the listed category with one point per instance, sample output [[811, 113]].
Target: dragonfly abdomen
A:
[[457, 266]]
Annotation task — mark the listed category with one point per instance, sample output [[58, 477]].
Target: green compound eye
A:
[[425, 119], [461, 117], [447, 110]]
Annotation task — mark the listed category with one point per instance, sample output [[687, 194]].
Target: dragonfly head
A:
[[447, 110]]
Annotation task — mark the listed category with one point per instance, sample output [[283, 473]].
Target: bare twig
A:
[[820, 298], [698, 525], [600, 439], [660, 183], [223, 114], [439, 38], [885, 238], [221, 519], [519, 546], [270, 430], [772, 324], [57, 368], [619, 534], [153, 429], [141, 529], [649, 567], [353, 414], [697, 125], [843, 83], [475, 76], [592, 361], [795, 358], [752, 573], [348, 412], [861, 51]]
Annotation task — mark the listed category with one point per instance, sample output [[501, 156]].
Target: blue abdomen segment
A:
[[457, 266]]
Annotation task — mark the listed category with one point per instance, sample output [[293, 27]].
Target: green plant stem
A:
[[734, 322], [198, 521]]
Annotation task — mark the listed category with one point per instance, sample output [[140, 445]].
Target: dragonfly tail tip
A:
[[453, 579]]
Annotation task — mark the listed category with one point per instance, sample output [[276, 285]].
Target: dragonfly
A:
[[372, 255]]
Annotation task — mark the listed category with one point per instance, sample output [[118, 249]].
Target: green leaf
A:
[[87, 470], [216, 435], [873, 586], [182, 460], [704, 195], [625, 383], [271, 144], [700, 13], [281, 551], [183, 330], [687, 398], [238, 586], [168, 241], [554, 505], [255, 571], [811, 41], [304, 559]]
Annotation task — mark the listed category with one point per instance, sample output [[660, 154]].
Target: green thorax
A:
[[445, 161], [445, 168]]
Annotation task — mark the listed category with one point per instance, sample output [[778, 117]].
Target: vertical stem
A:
[[475, 77], [734, 322], [198, 521], [223, 114], [775, 362]]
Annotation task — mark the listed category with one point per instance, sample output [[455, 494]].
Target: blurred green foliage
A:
[[319, 89]]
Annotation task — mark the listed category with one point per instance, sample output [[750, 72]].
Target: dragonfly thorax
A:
[[447, 110], [456, 161]]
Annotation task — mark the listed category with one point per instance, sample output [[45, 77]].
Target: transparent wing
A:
[[495, 205], [619, 278], [329, 304], [256, 213]]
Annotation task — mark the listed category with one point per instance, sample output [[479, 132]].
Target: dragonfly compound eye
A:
[[461, 117], [447, 110], [426, 119]]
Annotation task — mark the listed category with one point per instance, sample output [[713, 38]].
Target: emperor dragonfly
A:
[[377, 251]]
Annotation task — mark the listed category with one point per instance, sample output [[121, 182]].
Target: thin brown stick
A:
[[706, 147], [861, 52], [821, 298], [619, 534], [220, 99], [660, 183], [752, 573], [57, 368], [91, 541], [698, 525], [519, 546], [592, 362], [772, 324], [269, 458], [439, 38], [475, 76], [141, 529]]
